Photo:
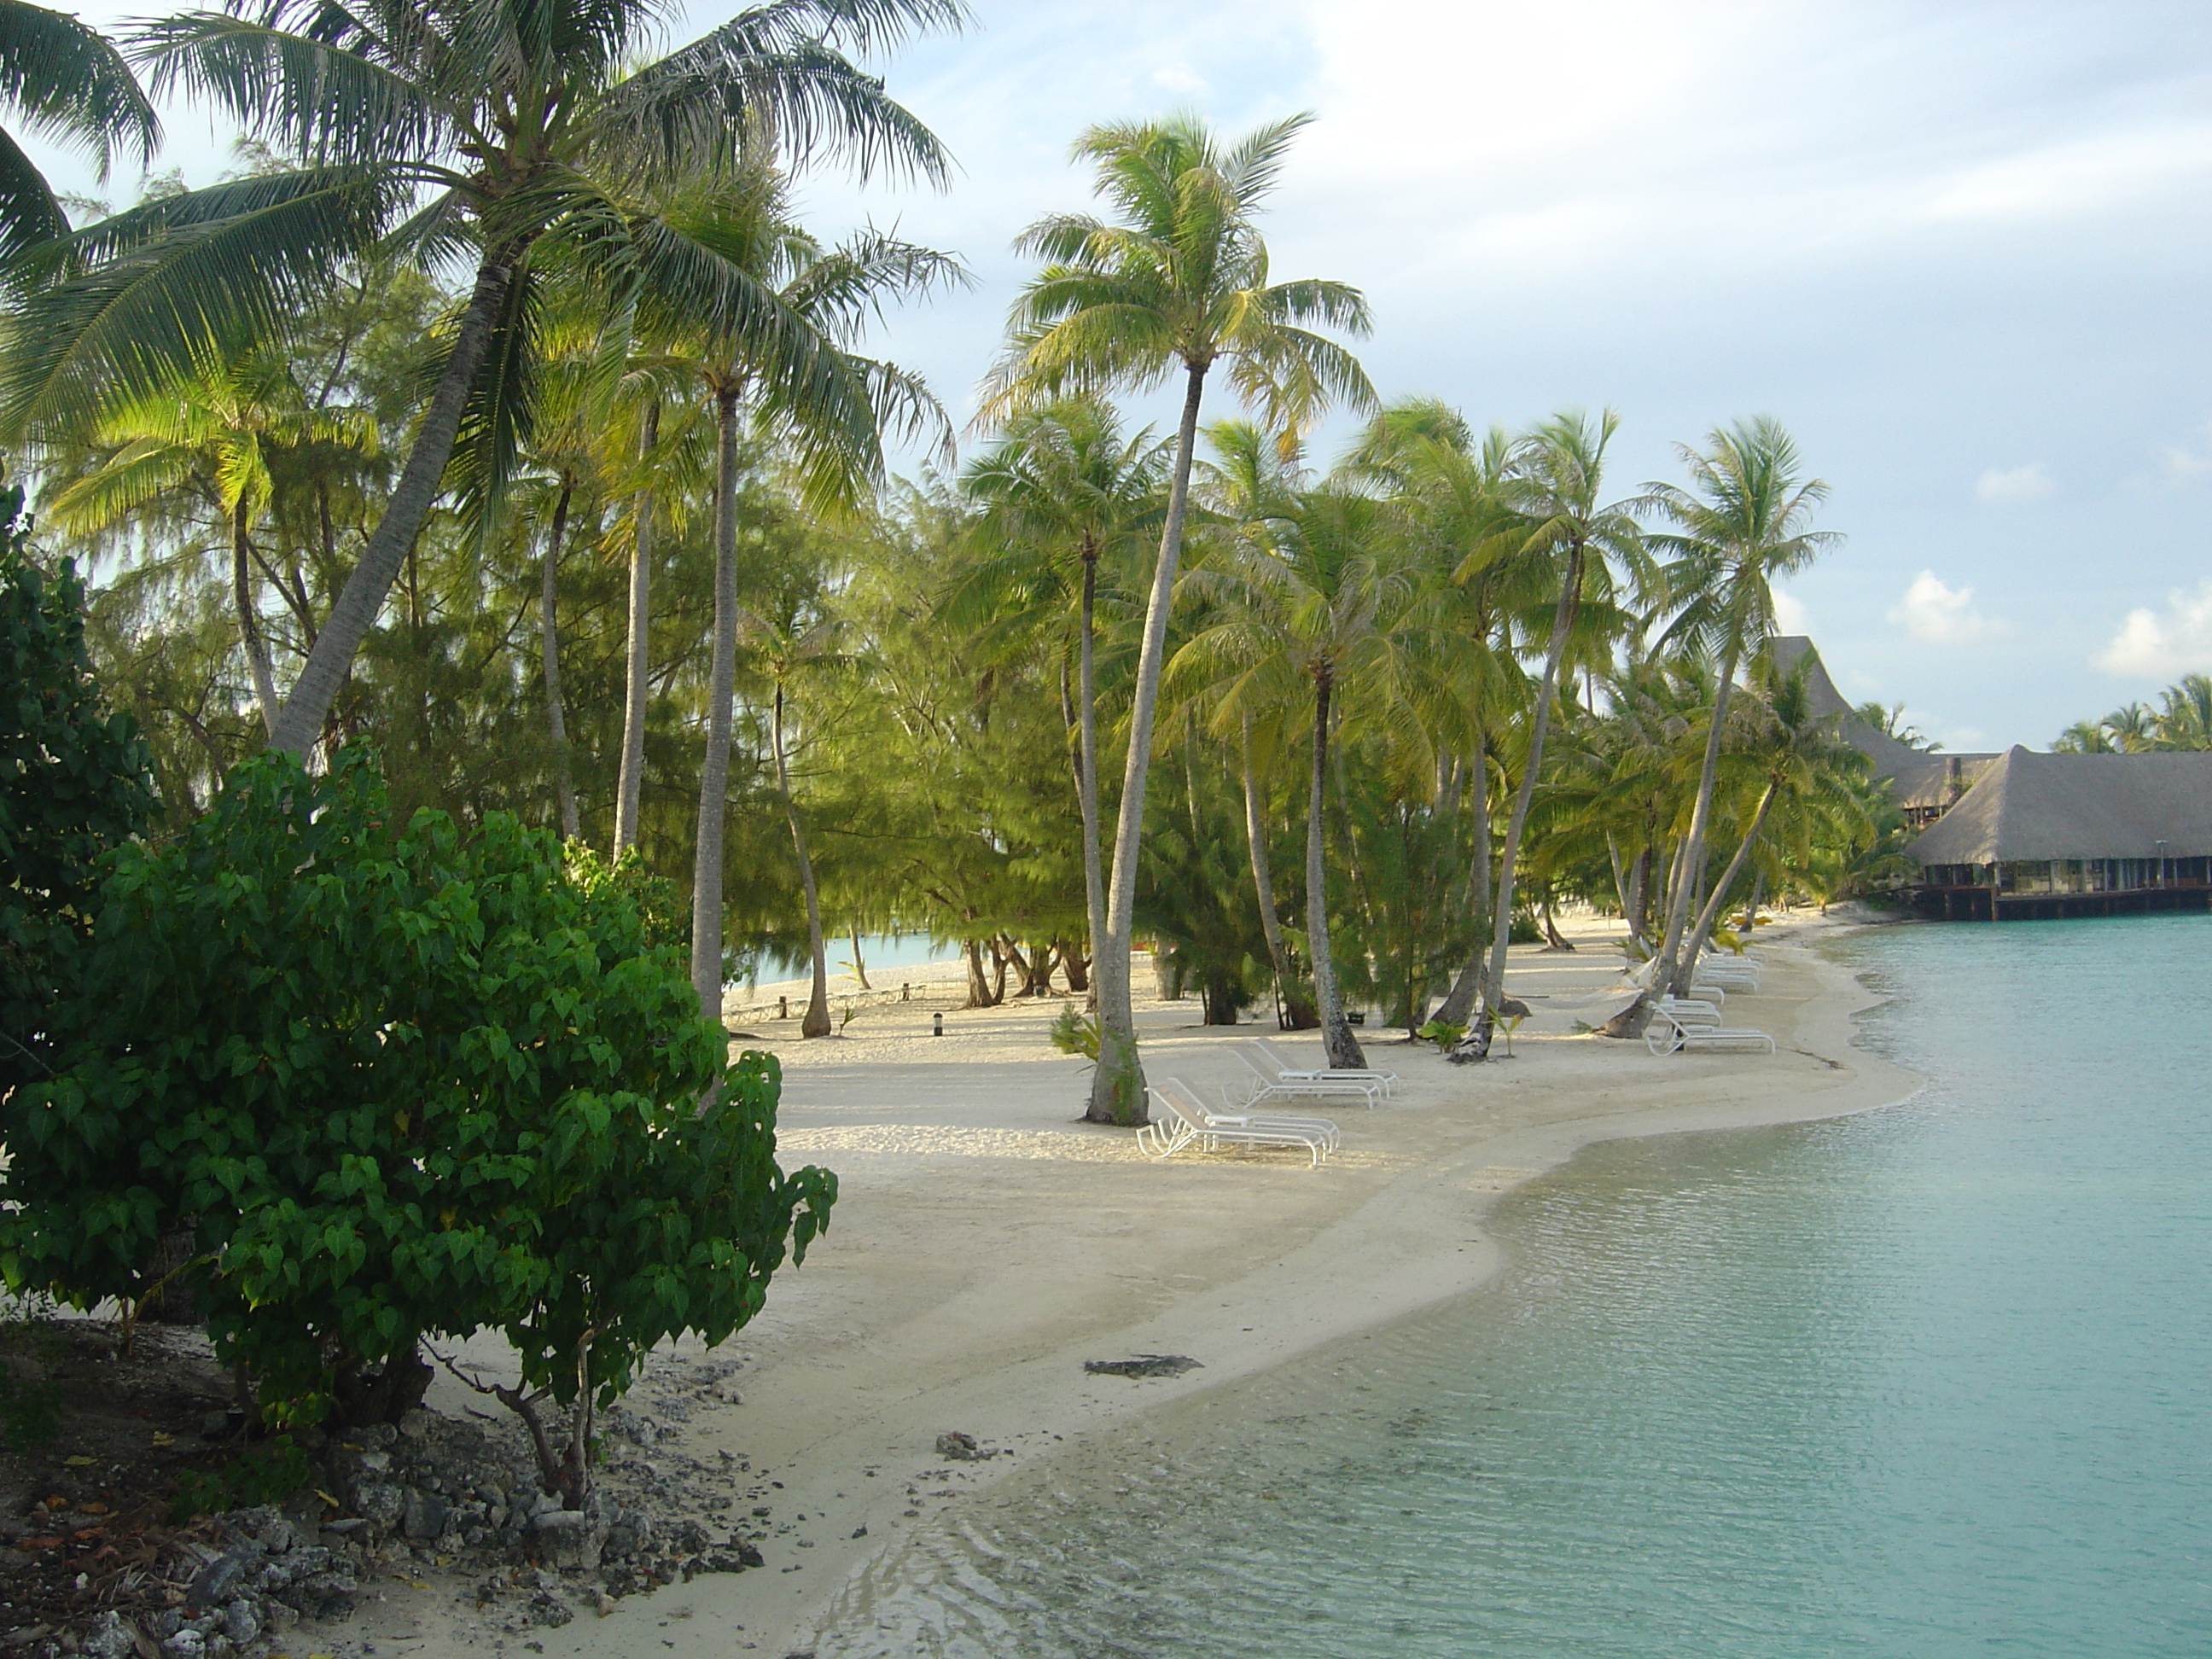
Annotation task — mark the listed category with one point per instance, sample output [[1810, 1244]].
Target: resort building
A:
[[2023, 833], [2072, 835]]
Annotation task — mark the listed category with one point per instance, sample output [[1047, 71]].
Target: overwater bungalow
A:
[[2023, 833], [2072, 835]]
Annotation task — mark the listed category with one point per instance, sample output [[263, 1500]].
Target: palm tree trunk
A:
[[301, 720], [1342, 1048], [859, 966], [637, 687], [1298, 1014], [1117, 1082], [1459, 1001], [722, 685], [1719, 895], [1673, 973], [1501, 921], [249, 625], [1094, 875], [548, 631], [817, 1022]]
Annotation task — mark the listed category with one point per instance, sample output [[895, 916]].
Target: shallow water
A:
[[1930, 1381]]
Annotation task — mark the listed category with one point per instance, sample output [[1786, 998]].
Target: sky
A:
[[1961, 251]]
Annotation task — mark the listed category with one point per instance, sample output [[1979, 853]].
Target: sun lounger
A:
[[1265, 1080], [1666, 1035], [1289, 1067], [1687, 1011], [1183, 1122]]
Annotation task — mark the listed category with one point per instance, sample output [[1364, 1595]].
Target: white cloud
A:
[[1791, 616], [2008, 485], [2163, 646], [1935, 611], [1180, 79], [2183, 464]]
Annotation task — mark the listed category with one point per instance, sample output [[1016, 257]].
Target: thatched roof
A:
[[2034, 807], [1917, 777]]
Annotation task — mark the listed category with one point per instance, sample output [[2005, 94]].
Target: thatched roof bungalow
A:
[[1925, 782], [2056, 835]]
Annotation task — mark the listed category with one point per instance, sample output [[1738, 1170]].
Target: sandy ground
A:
[[985, 1244]]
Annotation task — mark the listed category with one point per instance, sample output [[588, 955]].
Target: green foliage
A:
[[1074, 1034], [267, 1473], [1441, 1032], [405, 1085], [73, 783]]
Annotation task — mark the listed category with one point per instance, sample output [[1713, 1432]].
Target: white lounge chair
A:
[[1289, 1067], [1687, 1011], [1184, 1122], [1666, 1035], [1265, 1080]]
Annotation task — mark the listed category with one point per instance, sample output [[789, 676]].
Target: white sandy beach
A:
[[985, 1244]]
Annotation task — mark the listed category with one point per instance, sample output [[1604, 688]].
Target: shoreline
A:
[[988, 1248]]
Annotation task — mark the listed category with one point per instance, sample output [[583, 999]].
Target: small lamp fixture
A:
[[937, 1025]]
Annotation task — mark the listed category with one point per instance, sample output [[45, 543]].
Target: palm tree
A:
[[1063, 487], [2184, 716], [802, 384], [1179, 286], [1553, 481], [531, 130], [1311, 596], [210, 439], [68, 84], [1795, 752], [794, 640], [1741, 525], [2084, 737], [2133, 728]]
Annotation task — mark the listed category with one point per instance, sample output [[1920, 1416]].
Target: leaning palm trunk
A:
[[249, 625], [1706, 917], [636, 686], [817, 1022], [714, 772], [1342, 1048], [549, 630], [1501, 920], [1672, 969], [1086, 780], [1670, 976], [301, 720], [1298, 1014], [1117, 1083], [1459, 1001]]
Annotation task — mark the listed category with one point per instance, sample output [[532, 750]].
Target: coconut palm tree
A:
[[207, 442], [829, 406], [67, 82], [1742, 523], [1179, 286], [2184, 715], [1311, 598], [505, 133], [1063, 490], [782, 645], [1553, 482], [1797, 754]]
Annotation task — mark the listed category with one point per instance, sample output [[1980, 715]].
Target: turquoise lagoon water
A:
[[1932, 1381]]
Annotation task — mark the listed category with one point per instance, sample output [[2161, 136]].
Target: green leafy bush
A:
[[75, 779], [1441, 1032], [267, 1473], [403, 1086]]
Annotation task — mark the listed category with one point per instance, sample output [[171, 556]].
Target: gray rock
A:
[[416, 1424], [187, 1643], [423, 1514], [568, 1539], [376, 1462], [241, 1621], [380, 1503], [218, 1580], [109, 1636], [378, 1435]]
